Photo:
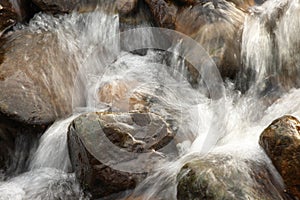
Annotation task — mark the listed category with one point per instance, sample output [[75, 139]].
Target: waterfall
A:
[[229, 125]]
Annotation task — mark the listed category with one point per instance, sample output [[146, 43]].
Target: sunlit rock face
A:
[[281, 142], [36, 80], [89, 139], [226, 177]]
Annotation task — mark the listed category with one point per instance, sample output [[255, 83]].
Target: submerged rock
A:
[[101, 145], [224, 177], [36, 78], [281, 142]]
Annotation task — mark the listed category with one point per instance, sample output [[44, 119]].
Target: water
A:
[[230, 125]]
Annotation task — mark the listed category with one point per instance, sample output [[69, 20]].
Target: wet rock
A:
[[281, 142], [36, 78], [119, 96], [16, 141], [188, 2], [225, 177], [164, 12], [57, 6], [68, 6], [8, 16], [126, 6], [215, 25], [100, 142]]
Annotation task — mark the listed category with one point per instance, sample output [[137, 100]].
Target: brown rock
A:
[[215, 25], [8, 16], [119, 95], [92, 139], [225, 177], [36, 79], [281, 142], [126, 6], [57, 6], [164, 12]]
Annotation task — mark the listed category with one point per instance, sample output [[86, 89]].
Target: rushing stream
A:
[[230, 125]]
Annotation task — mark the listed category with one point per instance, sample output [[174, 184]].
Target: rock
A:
[[93, 138], [224, 177], [119, 95], [164, 12], [16, 141], [215, 25], [8, 16], [243, 4], [36, 78], [188, 2], [126, 6], [281, 142], [68, 6], [57, 6], [15, 11]]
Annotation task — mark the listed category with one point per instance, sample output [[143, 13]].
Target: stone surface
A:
[[126, 6], [224, 177], [96, 139], [215, 25], [36, 78], [8, 16], [57, 6], [16, 142], [281, 142]]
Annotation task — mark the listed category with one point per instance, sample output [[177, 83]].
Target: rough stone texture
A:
[[8, 16], [36, 79], [225, 177], [93, 137], [126, 6], [281, 142]]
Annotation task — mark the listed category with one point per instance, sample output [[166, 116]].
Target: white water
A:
[[239, 121]]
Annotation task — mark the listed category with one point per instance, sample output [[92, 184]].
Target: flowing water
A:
[[231, 124]]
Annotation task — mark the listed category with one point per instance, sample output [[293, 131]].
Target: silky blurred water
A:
[[230, 125]]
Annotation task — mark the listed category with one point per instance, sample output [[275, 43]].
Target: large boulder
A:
[[36, 78], [225, 177], [215, 25], [281, 142], [100, 142]]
